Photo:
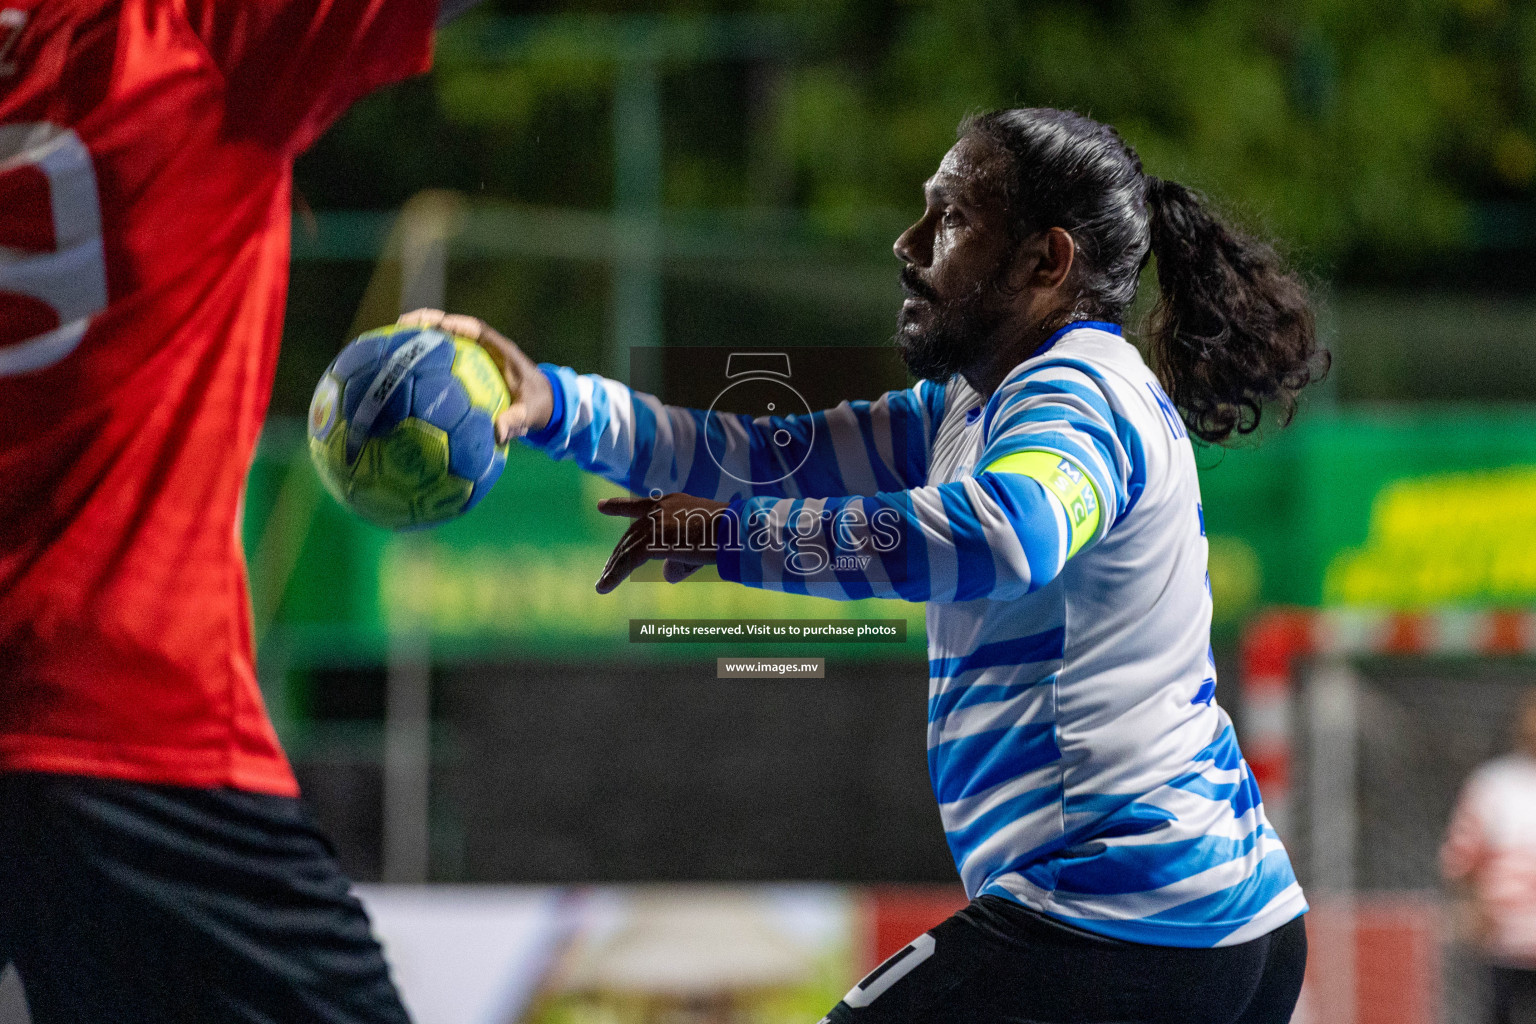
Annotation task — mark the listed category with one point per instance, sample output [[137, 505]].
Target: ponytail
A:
[[1232, 330]]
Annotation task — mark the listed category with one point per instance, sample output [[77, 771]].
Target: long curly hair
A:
[[1232, 332]]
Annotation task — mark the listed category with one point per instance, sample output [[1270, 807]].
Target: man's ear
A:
[[1043, 261], [1057, 251]]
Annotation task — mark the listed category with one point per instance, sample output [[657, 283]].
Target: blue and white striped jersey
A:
[[1081, 762]]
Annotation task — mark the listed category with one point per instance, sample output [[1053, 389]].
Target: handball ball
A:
[[402, 426]]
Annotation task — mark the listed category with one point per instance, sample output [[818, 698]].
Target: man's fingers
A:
[[422, 318], [469, 327], [513, 363], [632, 551], [631, 507], [512, 422], [674, 571], [491, 336], [508, 426]]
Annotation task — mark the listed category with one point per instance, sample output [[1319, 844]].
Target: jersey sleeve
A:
[[1055, 424], [1053, 477], [291, 67], [632, 439]]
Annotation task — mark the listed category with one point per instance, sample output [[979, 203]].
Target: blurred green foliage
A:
[[1389, 147], [1374, 138]]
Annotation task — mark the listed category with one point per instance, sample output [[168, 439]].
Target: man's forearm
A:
[[635, 440]]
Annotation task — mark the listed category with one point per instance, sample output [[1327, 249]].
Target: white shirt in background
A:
[[1491, 843]]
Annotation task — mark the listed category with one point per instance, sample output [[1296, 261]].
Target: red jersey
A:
[[146, 151]]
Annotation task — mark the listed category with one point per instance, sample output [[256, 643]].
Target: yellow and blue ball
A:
[[402, 426]]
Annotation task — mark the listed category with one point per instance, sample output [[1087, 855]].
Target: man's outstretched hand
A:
[[678, 527], [533, 401]]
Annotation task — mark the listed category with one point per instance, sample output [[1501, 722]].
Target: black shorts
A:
[[997, 961], [125, 903]]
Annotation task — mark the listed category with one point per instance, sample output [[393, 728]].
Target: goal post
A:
[[1360, 727]]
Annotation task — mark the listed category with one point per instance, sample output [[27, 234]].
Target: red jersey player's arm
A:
[[292, 66]]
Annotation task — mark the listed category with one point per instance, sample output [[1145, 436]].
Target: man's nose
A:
[[910, 248]]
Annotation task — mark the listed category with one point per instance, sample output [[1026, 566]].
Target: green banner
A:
[[1402, 509]]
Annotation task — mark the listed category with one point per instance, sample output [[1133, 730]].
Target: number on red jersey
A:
[[53, 271]]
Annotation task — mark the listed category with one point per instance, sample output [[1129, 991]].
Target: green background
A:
[[515, 576]]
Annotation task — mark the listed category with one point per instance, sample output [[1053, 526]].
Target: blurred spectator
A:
[[1490, 855]]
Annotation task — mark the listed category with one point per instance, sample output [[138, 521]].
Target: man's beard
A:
[[954, 336]]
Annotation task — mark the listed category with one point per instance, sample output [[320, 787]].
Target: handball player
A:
[[1038, 489], [158, 864]]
